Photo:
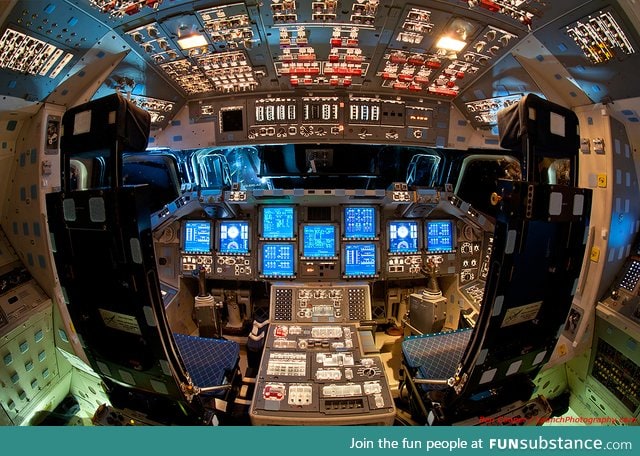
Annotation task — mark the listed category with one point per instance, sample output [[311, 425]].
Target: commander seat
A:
[[538, 248]]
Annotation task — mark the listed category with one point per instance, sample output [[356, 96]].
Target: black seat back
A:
[[104, 255], [536, 261], [547, 137], [538, 248]]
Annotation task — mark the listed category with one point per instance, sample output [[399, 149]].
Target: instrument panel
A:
[[397, 241], [368, 118], [624, 295], [337, 239]]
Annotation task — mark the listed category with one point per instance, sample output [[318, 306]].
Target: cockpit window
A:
[[479, 177], [555, 171], [423, 170], [160, 172], [221, 167], [212, 170], [244, 163], [313, 166]]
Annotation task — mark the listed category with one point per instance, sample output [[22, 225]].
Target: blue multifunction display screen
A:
[[403, 236], [234, 236], [440, 236], [359, 222], [278, 259], [319, 241], [360, 259], [197, 236], [277, 222]]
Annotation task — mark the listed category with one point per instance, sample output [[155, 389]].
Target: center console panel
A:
[[313, 370]]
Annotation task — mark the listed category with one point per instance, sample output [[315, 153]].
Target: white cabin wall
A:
[[628, 112], [33, 174], [7, 155], [611, 174], [182, 134], [463, 136], [13, 116], [34, 171]]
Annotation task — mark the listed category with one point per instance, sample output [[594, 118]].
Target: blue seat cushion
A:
[[207, 360], [435, 356]]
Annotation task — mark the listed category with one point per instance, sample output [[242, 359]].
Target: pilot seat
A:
[[105, 259], [484, 375]]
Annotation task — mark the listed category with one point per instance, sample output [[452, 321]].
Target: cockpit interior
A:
[[337, 212]]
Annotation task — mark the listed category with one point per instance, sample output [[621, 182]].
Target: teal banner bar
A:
[[318, 441]]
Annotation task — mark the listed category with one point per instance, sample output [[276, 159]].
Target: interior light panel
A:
[[26, 54], [122, 8], [228, 24], [156, 43], [324, 11], [284, 11], [364, 12], [600, 37], [275, 110], [229, 71], [157, 109], [484, 113], [345, 65], [188, 76], [416, 25], [522, 11]]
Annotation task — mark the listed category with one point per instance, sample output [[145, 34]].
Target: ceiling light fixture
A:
[[455, 36], [450, 44], [192, 41]]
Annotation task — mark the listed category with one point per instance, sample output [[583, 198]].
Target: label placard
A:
[[121, 322], [521, 314]]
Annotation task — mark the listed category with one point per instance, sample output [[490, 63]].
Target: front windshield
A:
[[306, 166], [315, 166]]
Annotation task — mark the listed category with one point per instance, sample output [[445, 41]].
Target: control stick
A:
[[433, 287], [205, 300]]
